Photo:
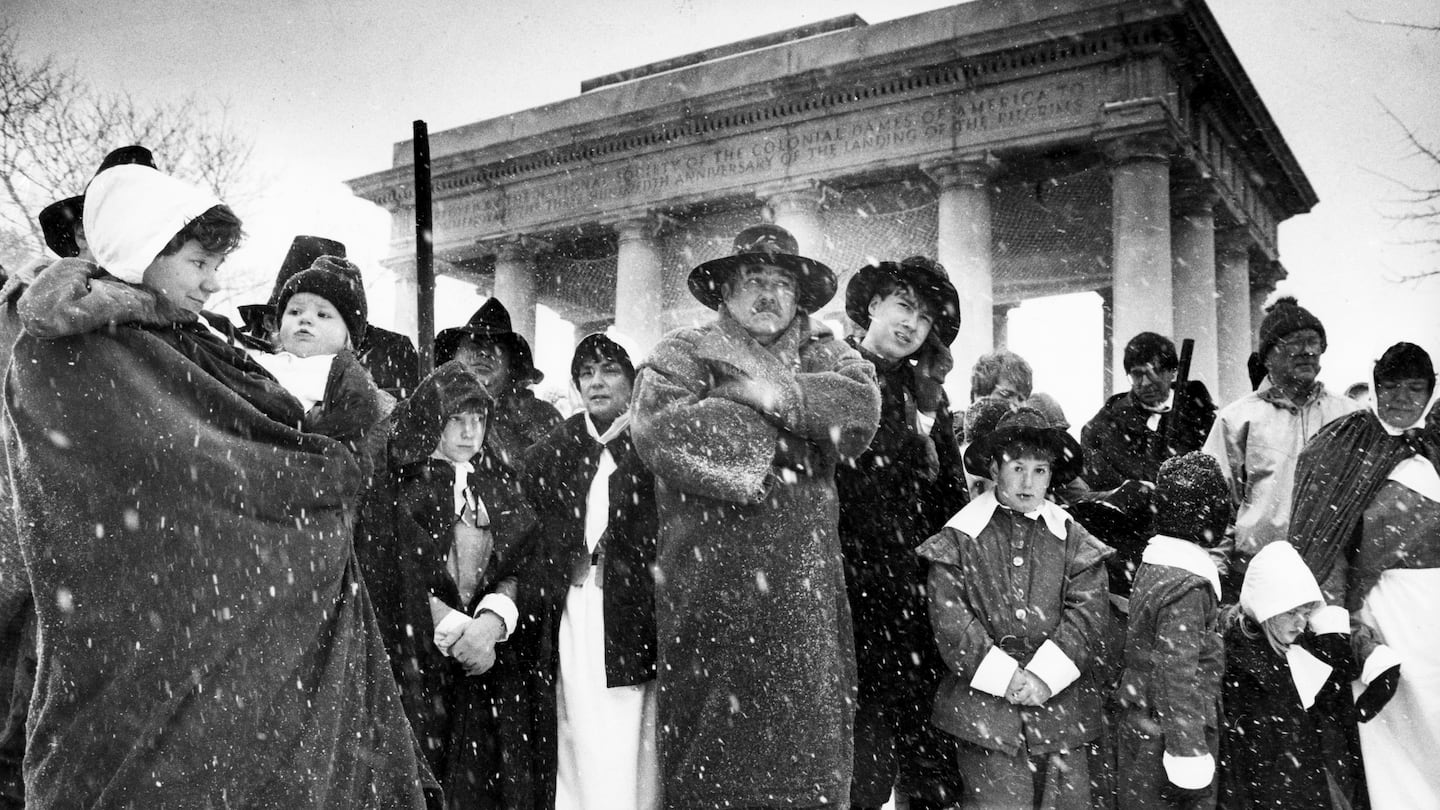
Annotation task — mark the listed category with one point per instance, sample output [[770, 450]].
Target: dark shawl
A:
[[1336, 478], [205, 639]]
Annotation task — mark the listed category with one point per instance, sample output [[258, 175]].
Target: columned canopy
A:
[[1032, 148]]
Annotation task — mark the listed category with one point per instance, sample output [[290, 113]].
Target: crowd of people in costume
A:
[[762, 565]]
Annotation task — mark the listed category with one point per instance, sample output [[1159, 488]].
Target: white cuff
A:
[[502, 606], [1051, 665], [1330, 619], [1191, 773], [994, 673], [1380, 659], [447, 632]]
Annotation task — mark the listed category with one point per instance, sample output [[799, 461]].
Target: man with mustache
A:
[[1258, 437], [742, 422]]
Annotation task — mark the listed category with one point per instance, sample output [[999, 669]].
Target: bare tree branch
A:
[[55, 128]]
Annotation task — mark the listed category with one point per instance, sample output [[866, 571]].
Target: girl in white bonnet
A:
[[1289, 734]]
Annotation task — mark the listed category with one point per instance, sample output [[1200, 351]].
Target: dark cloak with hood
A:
[[1338, 475], [205, 637]]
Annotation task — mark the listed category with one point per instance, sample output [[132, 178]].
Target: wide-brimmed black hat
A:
[[929, 281], [57, 220], [1030, 425], [772, 245], [491, 322]]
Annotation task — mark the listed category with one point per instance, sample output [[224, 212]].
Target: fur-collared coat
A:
[[892, 497], [757, 670], [558, 472]]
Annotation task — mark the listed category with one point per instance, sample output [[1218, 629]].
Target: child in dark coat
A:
[[1018, 603], [1289, 738], [459, 534], [1169, 693]]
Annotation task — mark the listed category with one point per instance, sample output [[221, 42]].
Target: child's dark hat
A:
[[338, 281], [1030, 425], [1191, 500]]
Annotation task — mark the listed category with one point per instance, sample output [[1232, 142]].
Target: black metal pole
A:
[[424, 251]]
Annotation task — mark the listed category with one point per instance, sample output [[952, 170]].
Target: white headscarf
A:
[[132, 211], [1277, 580]]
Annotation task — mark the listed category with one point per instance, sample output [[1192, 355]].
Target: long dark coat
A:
[[890, 502], [1274, 753], [558, 473], [756, 665], [474, 730]]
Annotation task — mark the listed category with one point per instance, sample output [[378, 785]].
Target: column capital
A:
[[1153, 147], [806, 198], [1266, 275], [1194, 200], [646, 227], [1234, 243], [966, 171], [518, 248]]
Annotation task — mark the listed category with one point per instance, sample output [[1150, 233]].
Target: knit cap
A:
[[338, 281], [1191, 499], [1285, 317], [1277, 580]]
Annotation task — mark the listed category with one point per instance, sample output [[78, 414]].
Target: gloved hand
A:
[[1182, 797], [1377, 694]]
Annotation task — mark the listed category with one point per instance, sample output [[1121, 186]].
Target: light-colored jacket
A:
[[1257, 440]]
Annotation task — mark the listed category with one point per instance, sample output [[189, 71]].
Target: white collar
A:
[[1163, 407], [621, 423], [973, 518], [1418, 474], [1183, 554]]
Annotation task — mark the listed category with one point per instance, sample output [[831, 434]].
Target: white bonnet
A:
[[132, 212]]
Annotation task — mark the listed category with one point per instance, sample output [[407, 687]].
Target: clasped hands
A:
[[1026, 689], [469, 641]]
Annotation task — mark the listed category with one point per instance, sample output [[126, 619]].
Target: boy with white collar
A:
[[1018, 601], [1170, 691]]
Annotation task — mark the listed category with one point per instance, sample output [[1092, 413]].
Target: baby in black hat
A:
[[321, 312]]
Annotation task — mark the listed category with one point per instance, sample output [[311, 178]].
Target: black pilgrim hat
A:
[[491, 322], [57, 220], [1030, 425]]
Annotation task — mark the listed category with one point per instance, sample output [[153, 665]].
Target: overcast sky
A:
[[326, 87]]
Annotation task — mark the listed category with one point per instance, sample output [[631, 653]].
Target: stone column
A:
[[1193, 229], [1140, 223], [515, 286], [797, 210], [407, 295], [639, 282], [963, 244], [1232, 277]]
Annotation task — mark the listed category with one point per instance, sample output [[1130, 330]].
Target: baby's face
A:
[[311, 325], [462, 436]]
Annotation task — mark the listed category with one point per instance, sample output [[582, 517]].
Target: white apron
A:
[[1401, 745]]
